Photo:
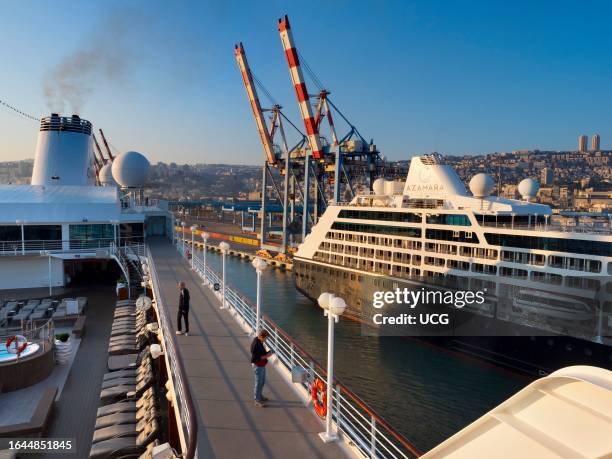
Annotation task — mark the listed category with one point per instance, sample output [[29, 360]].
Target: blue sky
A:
[[448, 76]]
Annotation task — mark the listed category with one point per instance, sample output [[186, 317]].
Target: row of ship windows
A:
[[406, 217], [587, 247], [554, 261], [381, 265]]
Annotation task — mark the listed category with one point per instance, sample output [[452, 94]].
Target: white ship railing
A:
[[187, 417], [358, 425], [35, 247], [602, 228]]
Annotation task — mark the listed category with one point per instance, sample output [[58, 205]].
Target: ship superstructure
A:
[[541, 270]]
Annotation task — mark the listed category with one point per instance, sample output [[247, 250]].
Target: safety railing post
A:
[[311, 371], [373, 438], [338, 416], [276, 341]]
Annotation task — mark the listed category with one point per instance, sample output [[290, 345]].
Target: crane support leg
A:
[[286, 201], [305, 196], [264, 176], [337, 175]]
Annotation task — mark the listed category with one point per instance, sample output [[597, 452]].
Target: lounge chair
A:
[[129, 418], [127, 405], [121, 392], [127, 447], [122, 362]]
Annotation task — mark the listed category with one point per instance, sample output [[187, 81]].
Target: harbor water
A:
[[424, 392]]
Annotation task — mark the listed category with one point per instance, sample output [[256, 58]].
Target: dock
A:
[[216, 357]]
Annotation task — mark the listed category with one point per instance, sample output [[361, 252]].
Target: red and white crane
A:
[[299, 84], [262, 127]]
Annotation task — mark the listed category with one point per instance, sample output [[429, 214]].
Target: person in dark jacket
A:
[[183, 309], [259, 360]]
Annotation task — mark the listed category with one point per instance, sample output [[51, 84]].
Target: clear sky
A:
[[418, 76]]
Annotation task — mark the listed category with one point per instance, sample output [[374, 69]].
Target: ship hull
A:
[[507, 344]]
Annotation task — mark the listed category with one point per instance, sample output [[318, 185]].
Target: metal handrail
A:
[[371, 434], [602, 228], [60, 246], [43, 335], [178, 374]]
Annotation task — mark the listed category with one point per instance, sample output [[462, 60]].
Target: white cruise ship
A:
[[544, 273]]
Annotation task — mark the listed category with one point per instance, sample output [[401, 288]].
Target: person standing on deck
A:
[[259, 360], [183, 309]]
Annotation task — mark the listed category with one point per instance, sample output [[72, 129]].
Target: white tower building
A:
[[64, 155]]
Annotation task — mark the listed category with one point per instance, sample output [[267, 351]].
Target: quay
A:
[[217, 362], [247, 253]]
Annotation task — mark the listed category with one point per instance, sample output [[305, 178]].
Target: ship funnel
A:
[[64, 154]]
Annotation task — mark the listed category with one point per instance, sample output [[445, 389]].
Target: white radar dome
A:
[[131, 169], [106, 175], [481, 185], [528, 188], [379, 186]]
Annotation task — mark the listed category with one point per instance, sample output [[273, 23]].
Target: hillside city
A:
[[569, 180]]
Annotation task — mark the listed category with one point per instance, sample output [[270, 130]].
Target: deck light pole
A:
[[183, 225], [205, 237], [115, 223], [260, 265], [333, 307], [21, 223], [224, 246], [48, 254], [193, 230]]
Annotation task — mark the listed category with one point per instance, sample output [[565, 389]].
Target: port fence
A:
[[183, 401], [357, 424]]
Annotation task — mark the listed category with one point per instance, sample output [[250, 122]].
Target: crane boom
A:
[[247, 77], [297, 77], [110, 155], [98, 149]]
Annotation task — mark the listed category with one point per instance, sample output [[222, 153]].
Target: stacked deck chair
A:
[[11, 308], [128, 419], [60, 311], [26, 310], [129, 334], [42, 310]]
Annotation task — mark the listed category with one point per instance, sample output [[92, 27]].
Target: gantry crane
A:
[[352, 146], [274, 156], [348, 157]]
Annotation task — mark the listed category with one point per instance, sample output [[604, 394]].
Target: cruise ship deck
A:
[[216, 358]]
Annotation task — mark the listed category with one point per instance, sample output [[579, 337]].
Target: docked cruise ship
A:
[[544, 274]]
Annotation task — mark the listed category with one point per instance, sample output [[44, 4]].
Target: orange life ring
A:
[[319, 398], [19, 348]]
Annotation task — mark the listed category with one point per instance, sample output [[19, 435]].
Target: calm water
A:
[[425, 393]]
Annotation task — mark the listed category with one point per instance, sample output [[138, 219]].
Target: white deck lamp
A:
[[260, 266], [224, 246], [193, 230], [333, 307]]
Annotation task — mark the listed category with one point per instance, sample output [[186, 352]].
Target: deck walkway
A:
[[216, 357]]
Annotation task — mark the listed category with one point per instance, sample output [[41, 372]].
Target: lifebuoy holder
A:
[[319, 397], [21, 342]]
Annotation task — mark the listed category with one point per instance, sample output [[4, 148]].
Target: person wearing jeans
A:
[[183, 309], [259, 360]]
